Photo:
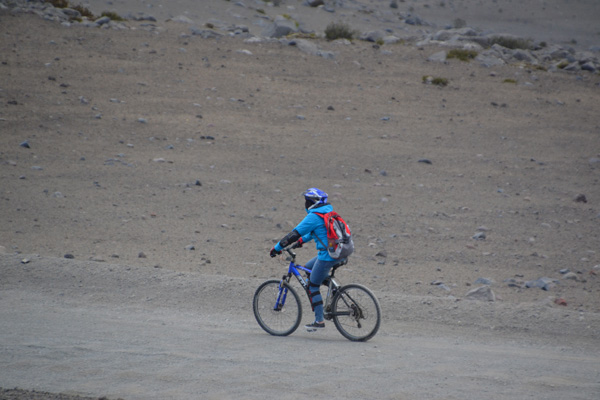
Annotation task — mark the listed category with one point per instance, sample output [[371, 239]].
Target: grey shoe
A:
[[315, 326]]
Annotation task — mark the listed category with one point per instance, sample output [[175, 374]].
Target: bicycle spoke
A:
[[277, 311], [357, 314]]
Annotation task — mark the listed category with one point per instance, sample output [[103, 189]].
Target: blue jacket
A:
[[313, 225]]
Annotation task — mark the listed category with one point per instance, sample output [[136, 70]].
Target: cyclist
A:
[[311, 227]]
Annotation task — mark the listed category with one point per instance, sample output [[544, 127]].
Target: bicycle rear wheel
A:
[[277, 309], [356, 313]]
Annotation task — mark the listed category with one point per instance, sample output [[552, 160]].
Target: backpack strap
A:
[[317, 237]]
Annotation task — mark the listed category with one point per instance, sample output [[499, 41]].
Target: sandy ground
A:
[[144, 144]]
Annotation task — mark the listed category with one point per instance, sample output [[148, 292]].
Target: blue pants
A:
[[319, 271]]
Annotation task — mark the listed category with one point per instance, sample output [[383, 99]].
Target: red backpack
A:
[[339, 237]]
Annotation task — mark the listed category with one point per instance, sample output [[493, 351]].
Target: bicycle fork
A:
[[281, 294]]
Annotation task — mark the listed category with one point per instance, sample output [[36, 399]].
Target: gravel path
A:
[[109, 331]]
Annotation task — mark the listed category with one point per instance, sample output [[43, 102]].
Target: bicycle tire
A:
[[356, 312], [277, 321]]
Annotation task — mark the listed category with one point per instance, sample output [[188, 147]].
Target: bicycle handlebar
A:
[[290, 252]]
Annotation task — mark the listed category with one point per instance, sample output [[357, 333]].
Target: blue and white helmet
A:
[[315, 198]]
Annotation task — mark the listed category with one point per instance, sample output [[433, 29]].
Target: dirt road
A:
[[138, 333]]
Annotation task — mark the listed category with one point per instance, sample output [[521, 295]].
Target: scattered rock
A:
[[440, 56], [69, 256], [541, 283], [25, 144], [206, 33], [182, 19], [482, 293], [553, 58], [560, 301], [315, 3], [480, 236], [581, 198], [483, 281], [280, 27], [511, 282], [570, 276], [441, 285]]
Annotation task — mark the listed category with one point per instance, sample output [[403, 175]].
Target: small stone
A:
[[425, 161], [25, 261], [571, 276], [560, 301], [444, 286], [142, 120], [564, 271], [141, 254], [482, 293], [512, 283], [190, 247], [440, 56], [102, 21], [479, 236], [581, 198], [483, 281], [542, 283], [25, 144], [69, 256]]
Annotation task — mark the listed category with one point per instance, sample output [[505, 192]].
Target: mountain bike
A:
[[354, 309]]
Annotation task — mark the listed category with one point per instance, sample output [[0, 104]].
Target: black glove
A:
[[274, 252]]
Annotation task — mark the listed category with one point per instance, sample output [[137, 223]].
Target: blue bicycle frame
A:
[[293, 269]]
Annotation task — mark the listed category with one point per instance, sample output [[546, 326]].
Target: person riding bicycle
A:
[[311, 227]]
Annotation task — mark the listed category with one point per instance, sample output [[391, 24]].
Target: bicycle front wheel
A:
[[277, 308], [356, 313]]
